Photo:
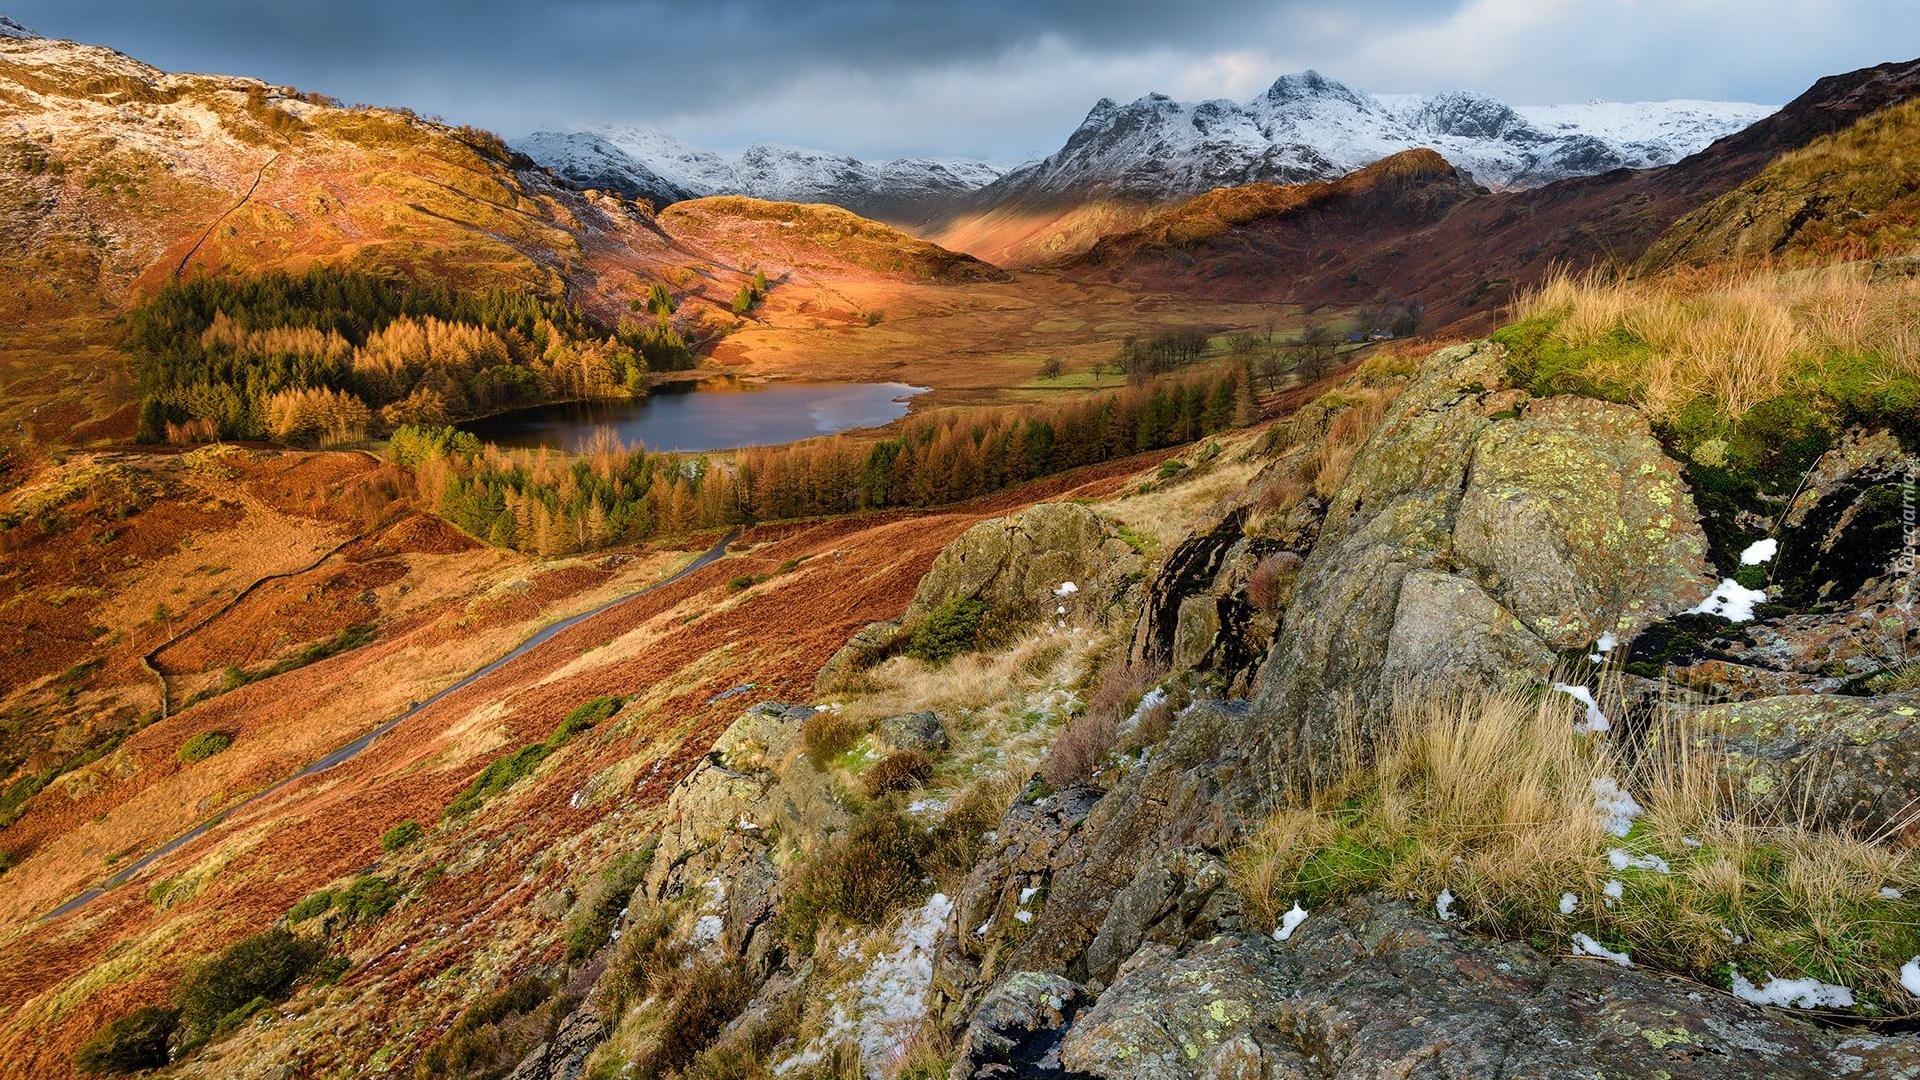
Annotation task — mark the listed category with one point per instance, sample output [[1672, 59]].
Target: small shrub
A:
[[827, 735], [261, 967], [707, 999], [203, 746], [1080, 748], [401, 835], [594, 917], [586, 715], [898, 771], [648, 957], [130, 1043], [485, 1042], [948, 630], [876, 867], [958, 840], [1271, 582], [368, 898], [314, 904]]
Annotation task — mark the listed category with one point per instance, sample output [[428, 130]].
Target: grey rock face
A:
[[564, 1057], [1016, 1030], [1373, 989], [1475, 532]]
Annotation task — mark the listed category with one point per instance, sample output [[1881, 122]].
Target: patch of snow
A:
[[1568, 902], [1731, 601], [926, 806], [1910, 976], [981, 930], [1732, 938], [1443, 905], [1595, 721], [1067, 588], [12, 29], [1028, 894], [1607, 642], [1690, 842], [1799, 993], [1617, 807], [1289, 923], [879, 1010], [1760, 551], [1023, 915], [1586, 946], [1621, 859], [1888, 892], [1613, 889], [747, 826], [707, 928]]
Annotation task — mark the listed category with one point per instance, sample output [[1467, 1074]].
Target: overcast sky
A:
[[1000, 79]]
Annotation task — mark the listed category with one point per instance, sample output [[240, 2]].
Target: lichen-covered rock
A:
[[921, 731], [717, 840], [1373, 988], [1577, 523], [1843, 762], [1015, 1031], [1175, 896], [1473, 533], [1036, 839], [1447, 632], [1018, 564], [868, 646]]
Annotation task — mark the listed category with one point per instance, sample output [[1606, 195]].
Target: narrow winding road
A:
[[354, 748]]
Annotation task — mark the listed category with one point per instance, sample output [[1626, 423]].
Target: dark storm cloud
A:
[[995, 77]]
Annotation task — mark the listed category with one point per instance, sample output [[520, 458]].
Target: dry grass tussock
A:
[[1498, 800], [1739, 338]]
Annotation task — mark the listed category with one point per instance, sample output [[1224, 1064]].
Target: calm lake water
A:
[[677, 416]]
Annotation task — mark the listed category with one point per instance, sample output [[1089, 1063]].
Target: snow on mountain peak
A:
[[11, 29], [1304, 126], [636, 159]]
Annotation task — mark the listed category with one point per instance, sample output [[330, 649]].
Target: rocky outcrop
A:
[[1373, 988], [1016, 1030], [1017, 564], [1837, 591], [917, 731], [724, 825], [1838, 762], [1477, 531], [564, 1056]]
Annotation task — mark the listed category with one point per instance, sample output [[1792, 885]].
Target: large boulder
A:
[[1475, 532], [1018, 564], [1374, 988]]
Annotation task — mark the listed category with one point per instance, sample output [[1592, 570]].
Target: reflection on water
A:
[[677, 416]]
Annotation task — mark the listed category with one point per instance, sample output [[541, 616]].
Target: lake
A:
[[692, 417]]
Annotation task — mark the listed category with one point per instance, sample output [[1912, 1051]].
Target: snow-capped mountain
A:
[[644, 161], [12, 29], [1309, 127], [1304, 127]]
